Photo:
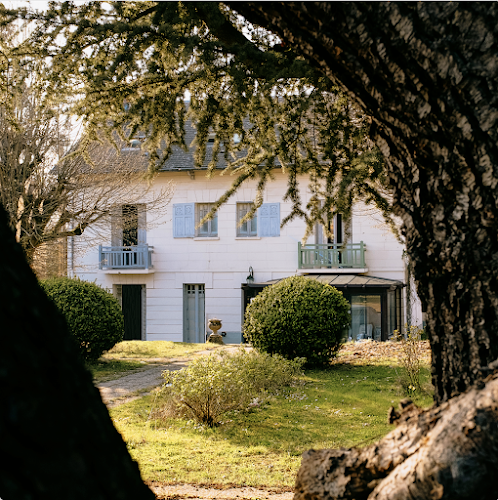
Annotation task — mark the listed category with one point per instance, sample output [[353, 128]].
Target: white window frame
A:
[[251, 226], [210, 228]]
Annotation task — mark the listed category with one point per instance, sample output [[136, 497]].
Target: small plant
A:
[[92, 314], [213, 385], [298, 317], [412, 356]]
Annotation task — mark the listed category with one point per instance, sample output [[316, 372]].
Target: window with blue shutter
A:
[[183, 220], [269, 219], [210, 227], [249, 227]]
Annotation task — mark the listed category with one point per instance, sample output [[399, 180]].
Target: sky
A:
[[35, 4]]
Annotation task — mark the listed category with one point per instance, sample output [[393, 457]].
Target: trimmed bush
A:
[[92, 314], [298, 317], [213, 385]]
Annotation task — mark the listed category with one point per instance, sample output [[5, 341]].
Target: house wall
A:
[[222, 263]]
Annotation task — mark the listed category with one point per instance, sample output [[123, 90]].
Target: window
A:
[[128, 226], [210, 227], [186, 216], [247, 228]]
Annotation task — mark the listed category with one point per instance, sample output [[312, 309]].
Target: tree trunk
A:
[[446, 452], [427, 73], [58, 441]]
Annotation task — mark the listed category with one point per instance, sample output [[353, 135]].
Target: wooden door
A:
[[131, 300]]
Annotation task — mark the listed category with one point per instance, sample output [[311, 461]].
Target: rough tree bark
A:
[[427, 74], [58, 441]]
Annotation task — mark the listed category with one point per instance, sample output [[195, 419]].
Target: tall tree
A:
[[136, 61], [429, 97], [425, 73]]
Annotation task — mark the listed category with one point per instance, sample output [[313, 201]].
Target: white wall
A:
[[222, 264]]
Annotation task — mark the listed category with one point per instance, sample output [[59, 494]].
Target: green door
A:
[[194, 330]]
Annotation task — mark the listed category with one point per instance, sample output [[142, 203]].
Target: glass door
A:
[[366, 314]]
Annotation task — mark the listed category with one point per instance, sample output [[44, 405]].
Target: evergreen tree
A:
[[136, 62], [425, 73]]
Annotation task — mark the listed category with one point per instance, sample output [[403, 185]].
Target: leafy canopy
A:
[[134, 63]]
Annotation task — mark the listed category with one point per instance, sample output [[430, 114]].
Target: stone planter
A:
[[214, 324]]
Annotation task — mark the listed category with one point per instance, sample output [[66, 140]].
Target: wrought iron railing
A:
[[131, 257], [331, 256]]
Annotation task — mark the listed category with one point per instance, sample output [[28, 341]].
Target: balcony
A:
[[342, 258], [132, 258]]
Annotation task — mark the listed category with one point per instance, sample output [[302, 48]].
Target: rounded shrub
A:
[[298, 317], [92, 314]]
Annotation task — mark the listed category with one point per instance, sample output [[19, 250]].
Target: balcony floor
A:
[[128, 271], [332, 270]]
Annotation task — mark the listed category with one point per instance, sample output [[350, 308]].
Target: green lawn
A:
[[163, 349], [344, 406]]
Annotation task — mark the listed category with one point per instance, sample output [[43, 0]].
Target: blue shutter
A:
[[142, 225], [183, 220], [269, 219]]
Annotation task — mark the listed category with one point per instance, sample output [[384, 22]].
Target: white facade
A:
[[195, 276]]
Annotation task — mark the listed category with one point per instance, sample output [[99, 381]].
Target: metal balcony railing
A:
[[330, 256], [131, 257]]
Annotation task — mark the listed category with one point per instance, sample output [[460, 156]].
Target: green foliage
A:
[[241, 81], [343, 407], [412, 356], [298, 317], [213, 385], [93, 315]]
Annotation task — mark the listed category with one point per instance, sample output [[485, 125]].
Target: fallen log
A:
[[446, 452]]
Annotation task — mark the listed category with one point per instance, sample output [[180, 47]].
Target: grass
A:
[[344, 406], [105, 370], [137, 349]]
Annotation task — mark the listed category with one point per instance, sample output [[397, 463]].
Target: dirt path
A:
[[133, 386], [187, 491]]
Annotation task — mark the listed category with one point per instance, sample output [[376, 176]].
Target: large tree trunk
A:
[[427, 73], [449, 451], [58, 441]]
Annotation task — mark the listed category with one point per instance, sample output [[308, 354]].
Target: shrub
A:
[[92, 314], [215, 384], [298, 317], [412, 356]]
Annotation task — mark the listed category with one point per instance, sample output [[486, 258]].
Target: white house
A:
[[173, 275]]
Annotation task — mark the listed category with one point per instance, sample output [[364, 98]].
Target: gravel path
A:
[[134, 385], [124, 389], [185, 491]]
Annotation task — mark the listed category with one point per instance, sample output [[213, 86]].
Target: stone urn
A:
[[214, 324]]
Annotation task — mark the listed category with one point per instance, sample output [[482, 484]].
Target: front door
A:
[[131, 300], [194, 330]]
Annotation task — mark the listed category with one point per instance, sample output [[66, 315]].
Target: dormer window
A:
[[134, 145]]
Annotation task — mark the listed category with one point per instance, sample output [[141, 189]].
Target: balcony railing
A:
[[132, 257], [331, 256]]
